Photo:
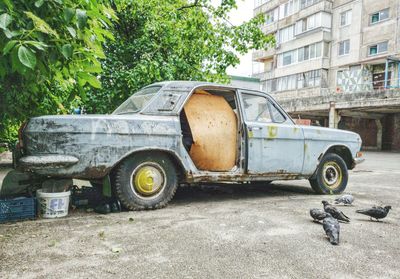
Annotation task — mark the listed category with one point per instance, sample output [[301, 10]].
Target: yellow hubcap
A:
[[332, 175], [148, 180]]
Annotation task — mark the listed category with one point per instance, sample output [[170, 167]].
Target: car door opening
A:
[[210, 129]]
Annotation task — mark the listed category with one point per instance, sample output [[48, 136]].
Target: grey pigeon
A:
[[332, 229], [318, 214], [345, 199], [376, 212], [336, 213]]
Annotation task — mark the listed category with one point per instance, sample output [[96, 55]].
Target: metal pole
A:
[[386, 73]]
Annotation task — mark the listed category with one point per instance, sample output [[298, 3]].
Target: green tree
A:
[[171, 40], [49, 53]]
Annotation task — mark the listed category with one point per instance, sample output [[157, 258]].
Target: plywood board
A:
[[214, 129]]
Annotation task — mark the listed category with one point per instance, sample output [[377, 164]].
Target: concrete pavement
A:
[[219, 232]]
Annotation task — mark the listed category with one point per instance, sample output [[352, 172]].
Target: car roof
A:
[[189, 85]]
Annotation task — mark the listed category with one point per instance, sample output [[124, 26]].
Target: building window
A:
[[301, 54], [344, 47], [289, 8], [286, 34], [306, 3], [345, 18], [378, 48], [258, 3], [379, 16], [271, 16], [288, 58]]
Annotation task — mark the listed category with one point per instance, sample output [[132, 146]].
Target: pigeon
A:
[[336, 213], [318, 214], [332, 229], [376, 212], [345, 199]]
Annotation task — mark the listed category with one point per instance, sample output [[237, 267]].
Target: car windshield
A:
[[137, 101]]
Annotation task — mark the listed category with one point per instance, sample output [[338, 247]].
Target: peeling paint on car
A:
[[90, 146]]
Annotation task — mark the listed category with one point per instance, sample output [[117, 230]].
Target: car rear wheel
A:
[[146, 181], [331, 176]]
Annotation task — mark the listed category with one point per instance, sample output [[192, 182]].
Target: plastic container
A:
[[17, 209], [53, 205]]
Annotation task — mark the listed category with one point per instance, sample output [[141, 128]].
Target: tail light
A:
[[20, 131]]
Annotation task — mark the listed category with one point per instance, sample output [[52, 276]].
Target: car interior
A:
[[211, 130]]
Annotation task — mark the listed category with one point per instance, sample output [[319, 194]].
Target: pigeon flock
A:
[[331, 216]]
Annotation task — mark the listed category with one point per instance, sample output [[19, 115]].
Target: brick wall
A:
[[366, 128]]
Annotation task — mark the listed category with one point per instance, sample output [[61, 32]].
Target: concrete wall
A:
[[391, 132]]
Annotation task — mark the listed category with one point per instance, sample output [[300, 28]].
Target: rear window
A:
[[137, 101]]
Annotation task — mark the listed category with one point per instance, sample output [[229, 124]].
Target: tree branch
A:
[[195, 4]]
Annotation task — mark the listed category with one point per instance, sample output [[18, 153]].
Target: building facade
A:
[[329, 47]]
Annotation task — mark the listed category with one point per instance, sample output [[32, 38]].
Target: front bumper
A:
[[357, 161]]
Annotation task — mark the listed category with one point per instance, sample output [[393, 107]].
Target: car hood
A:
[[329, 134]]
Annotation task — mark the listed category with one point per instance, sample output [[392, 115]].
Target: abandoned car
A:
[[186, 133]]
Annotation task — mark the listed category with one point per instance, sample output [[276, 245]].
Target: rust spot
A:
[[272, 132]]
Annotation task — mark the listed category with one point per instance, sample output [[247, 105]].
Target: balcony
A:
[[264, 75], [269, 28], [269, 5], [262, 55]]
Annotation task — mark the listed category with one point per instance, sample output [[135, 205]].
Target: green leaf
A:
[[26, 57], [66, 50], [36, 44], [68, 14], [92, 68], [9, 34], [72, 31], [82, 18], [9, 46], [16, 64], [5, 20], [92, 80], [41, 25], [39, 3]]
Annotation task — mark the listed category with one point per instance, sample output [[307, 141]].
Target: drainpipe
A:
[[398, 74], [386, 73]]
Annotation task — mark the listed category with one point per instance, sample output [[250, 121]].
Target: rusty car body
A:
[[140, 147]]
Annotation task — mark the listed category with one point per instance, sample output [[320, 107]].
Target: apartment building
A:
[[336, 62], [325, 46]]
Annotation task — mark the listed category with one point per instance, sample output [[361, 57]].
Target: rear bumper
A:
[[39, 162]]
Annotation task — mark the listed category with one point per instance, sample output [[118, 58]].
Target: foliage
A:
[[171, 40], [59, 54], [49, 53]]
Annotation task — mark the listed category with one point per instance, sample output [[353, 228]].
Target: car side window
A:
[[256, 108], [276, 114]]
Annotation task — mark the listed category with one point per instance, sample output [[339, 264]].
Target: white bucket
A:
[[53, 205]]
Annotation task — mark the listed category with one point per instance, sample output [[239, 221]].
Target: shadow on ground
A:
[[221, 193]]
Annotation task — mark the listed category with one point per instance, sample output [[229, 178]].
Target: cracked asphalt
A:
[[218, 232]]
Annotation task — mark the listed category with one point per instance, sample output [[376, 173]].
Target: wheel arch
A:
[[341, 150], [175, 158]]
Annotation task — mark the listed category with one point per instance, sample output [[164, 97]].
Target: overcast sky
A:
[[243, 13]]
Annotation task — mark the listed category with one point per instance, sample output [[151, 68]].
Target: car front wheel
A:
[[146, 181], [331, 176]]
